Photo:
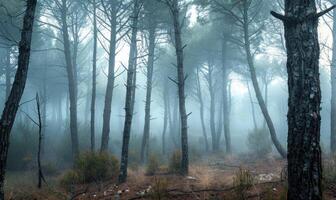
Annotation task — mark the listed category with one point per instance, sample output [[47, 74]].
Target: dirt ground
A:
[[211, 179]]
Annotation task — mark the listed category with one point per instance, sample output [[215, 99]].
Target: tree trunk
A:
[[226, 106], [94, 77], [333, 91], [150, 67], [304, 102], [71, 81], [200, 100], [110, 82], [8, 72], [255, 83], [252, 106], [212, 107], [12, 104], [130, 90], [265, 97], [40, 140], [226, 114], [181, 83], [219, 123], [165, 116]]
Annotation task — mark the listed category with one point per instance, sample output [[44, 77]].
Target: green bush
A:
[[70, 178], [96, 166], [152, 165], [329, 171], [175, 162], [243, 180], [159, 190], [259, 142], [91, 167]]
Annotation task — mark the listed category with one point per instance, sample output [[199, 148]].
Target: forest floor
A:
[[212, 179]]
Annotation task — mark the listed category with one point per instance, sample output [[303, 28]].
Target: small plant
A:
[[69, 179], [91, 167], [259, 142], [283, 193], [152, 165], [175, 162], [159, 189], [96, 166], [243, 180], [329, 170]]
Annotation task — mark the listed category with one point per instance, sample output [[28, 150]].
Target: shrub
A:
[[96, 166], [152, 165], [329, 170], [243, 180], [175, 162], [69, 179], [91, 167], [259, 142], [159, 190]]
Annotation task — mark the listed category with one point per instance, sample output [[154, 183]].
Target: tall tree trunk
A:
[[165, 116], [265, 97], [12, 104], [175, 130], [252, 106], [220, 123], [333, 91], [255, 83], [8, 72], [130, 90], [212, 110], [150, 66], [110, 82], [71, 81], [304, 101], [94, 77], [226, 106], [175, 11], [200, 100]]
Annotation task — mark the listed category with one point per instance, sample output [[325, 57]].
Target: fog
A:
[[98, 67]]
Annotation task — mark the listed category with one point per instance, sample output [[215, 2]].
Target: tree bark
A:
[[12, 104], [226, 106], [71, 81], [304, 102], [130, 90], [94, 77], [8, 72], [252, 106], [150, 66], [333, 91], [255, 83], [212, 111], [200, 100], [174, 8], [110, 82], [165, 116]]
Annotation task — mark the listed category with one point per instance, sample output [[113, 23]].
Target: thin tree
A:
[[304, 101], [181, 78], [94, 76], [12, 104], [150, 10], [130, 90]]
